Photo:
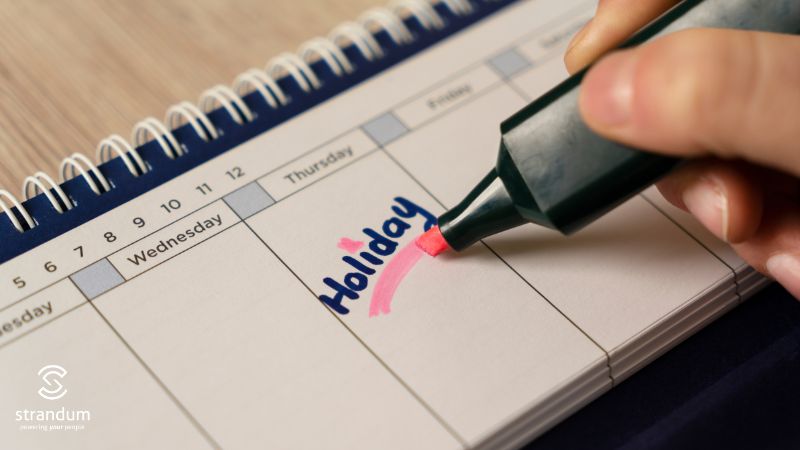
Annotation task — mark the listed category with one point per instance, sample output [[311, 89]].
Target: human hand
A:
[[730, 99]]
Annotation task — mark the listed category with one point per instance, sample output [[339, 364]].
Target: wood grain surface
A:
[[74, 72]]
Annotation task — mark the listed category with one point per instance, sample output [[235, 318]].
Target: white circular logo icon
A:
[[52, 375]]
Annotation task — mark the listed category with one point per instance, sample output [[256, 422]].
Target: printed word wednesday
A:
[[381, 245]]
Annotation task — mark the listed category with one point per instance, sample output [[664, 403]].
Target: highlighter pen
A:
[[552, 170]]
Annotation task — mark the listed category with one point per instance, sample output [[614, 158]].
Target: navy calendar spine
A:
[[48, 223]]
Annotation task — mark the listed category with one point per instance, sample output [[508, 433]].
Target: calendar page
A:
[[236, 305]]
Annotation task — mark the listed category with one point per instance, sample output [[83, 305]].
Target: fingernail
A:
[[608, 89], [706, 199], [578, 38], [785, 269]]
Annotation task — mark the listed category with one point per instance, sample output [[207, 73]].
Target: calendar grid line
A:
[[41, 325], [206, 435], [508, 81], [231, 338], [383, 363], [511, 83], [504, 81], [422, 186], [167, 259], [410, 98], [269, 172], [733, 271]]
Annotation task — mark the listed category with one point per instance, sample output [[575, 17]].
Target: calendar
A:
[[232, 305]]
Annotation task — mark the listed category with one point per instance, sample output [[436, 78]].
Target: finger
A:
[[733, 94], [613, 23], [722, 195], [775, 249]]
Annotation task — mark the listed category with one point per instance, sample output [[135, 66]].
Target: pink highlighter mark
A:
[[349, 245], [431, 243], [391, 277]]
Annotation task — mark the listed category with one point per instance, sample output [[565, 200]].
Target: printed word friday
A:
[[381, 244]]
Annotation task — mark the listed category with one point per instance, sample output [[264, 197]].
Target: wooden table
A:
[[74, 72]]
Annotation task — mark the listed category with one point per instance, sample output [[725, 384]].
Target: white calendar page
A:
[[190, 317]]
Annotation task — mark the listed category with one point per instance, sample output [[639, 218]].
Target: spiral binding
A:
[[360, 34], [129, 155], [193, 116], [36, 181]]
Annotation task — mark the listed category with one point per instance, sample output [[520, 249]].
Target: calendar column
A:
[[247, 350], [482, 337], [69, 382], [609, 278]]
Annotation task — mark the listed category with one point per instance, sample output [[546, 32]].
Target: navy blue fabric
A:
[[735, 384]]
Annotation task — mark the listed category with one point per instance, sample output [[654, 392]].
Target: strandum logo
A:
[[52, 419], [51, 375]]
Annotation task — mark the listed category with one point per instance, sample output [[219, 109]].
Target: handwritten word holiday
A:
[[382, 244]]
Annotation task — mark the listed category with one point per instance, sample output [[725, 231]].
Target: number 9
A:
[[139, 222]]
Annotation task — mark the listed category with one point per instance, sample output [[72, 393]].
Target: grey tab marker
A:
[[248, 200], [97, 279], [509, 63], [385, 128]]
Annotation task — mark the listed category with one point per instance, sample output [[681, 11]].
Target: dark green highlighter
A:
[[554, 171]]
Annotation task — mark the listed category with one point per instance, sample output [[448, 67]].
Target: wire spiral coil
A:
[[360, 35]]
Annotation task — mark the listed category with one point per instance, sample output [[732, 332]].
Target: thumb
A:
[[731, 94]]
